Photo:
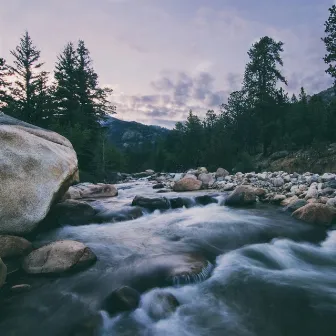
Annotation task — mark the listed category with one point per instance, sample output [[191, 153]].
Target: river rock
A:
[[158, 203], [12, 246], [277, 199], [90, 190], [162, 305], [18, 289], [327, 177], [36, 168], [187, 184], [296, 204], [158, 186], [120, 300], [315, 213], [312, 191], [205, 199], [72, 212], [202, 170], [243, 195], [206, 179], [3, 272], [120, 215], [278, 182], [229, 187], [289, 200], [330, 184], [180, 202], [327, 191], [221, 172], [59, 257], [332, 202]]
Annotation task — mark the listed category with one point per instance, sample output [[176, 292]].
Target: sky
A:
[[165, 57]]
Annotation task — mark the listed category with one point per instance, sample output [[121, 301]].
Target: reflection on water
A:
[[270, 275]]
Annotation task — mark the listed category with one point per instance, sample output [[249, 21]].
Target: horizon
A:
[[159, 74]]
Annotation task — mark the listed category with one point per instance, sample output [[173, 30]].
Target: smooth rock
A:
[[202, 170], [158, 186], [187, 184], [72, 212], [278, 182], [221, 172], [330, 184], [331, 202], [312, 191], [180, 202], [120, 300], [36, 168], [59, 257], [90, 190], [242, 195], [12, 246], [229, 187], [289, 200], [315, 213], [206, 179], [157, 203], [17, 289], [277, 199]]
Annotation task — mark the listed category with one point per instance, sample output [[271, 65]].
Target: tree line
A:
[[258, 118], [261, 117]]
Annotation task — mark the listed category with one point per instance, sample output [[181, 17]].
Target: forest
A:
[[259, 118]]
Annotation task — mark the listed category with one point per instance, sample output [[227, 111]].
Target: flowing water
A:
[[267, 274]]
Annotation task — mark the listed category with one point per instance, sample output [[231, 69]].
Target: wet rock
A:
[[205, 199], [158, 203], [163, 191], [187, 184], [89, 326], [162, 305], [59, 257], [90, 190], [221, 172], [3, 272], [12, 246], [72, 212], [36, 168], [180, 202], [18, 289], [243, 195], [158, 186], [120, 300], [293, 206], [121, 215], [315, 213]]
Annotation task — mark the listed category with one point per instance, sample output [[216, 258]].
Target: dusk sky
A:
[[164, 57]]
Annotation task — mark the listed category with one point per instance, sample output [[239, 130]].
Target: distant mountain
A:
[[131, 134], [327, 94]]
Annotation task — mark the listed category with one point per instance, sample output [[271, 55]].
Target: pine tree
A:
[[65, 87], [260, 82], [5, 74], [330, 43], [27, 71]]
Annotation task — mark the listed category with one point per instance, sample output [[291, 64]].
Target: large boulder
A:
[[90, 190], [162, 305], [59, 257], [242, 195], [3, 272], [315, 213], [187, 184], [158, 203], [12, 246], [36, 168], [295, 204]]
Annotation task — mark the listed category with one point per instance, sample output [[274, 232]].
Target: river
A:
[[268, 275]]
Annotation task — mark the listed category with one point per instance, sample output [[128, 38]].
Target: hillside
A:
[[126, 134]]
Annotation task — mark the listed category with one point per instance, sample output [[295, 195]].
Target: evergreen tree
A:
[[260, 82], [330, 43], [5, 74], [27, 71]]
